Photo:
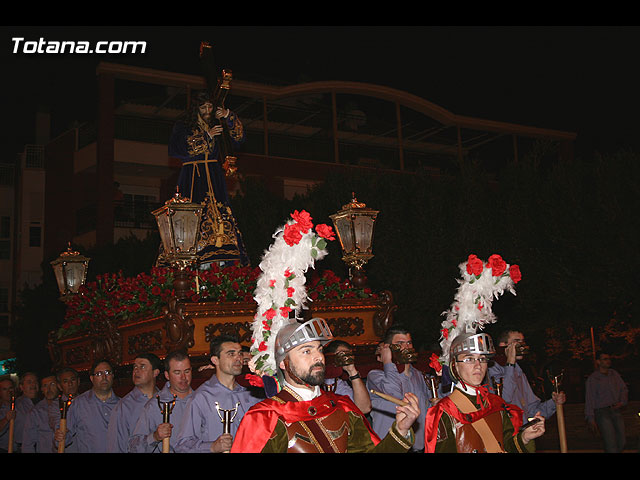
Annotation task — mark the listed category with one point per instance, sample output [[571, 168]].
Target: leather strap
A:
[[481, 427]]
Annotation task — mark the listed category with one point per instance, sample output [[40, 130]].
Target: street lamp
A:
[[179, 225], [70, 269], [354, 225]]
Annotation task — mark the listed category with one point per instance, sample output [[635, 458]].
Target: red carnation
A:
[[497, 264], [303, 219], [474, 265], [434, 362], [262, 347], [292, 234], [325, 231], [269, 314], [290, 291], [514, 273]]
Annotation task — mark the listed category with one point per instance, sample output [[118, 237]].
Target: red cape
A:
[[495, 404], [258, 423]]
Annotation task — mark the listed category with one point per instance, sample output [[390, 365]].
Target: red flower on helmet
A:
[[303, 220], [325, 231], [474, 265], [497, 265], [292, 235]]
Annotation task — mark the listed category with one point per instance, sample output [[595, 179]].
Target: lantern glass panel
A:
[[62, 286], [75, 275], [185, 230], [363, 228], [165, 231], [343, 226]]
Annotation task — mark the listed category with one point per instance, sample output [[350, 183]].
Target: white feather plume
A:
[[281, 285], [472, 305]]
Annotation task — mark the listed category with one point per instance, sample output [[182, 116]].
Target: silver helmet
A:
[[294, 334], [472, 343], [469, 343]]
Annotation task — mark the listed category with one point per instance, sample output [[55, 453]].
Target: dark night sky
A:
[[580, 79]]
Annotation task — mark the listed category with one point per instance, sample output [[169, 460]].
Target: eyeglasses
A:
[[471, 360], [102, 373]]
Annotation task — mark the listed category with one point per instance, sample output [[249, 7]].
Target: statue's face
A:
[[206, 109]]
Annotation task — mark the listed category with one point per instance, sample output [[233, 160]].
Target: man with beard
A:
[[88, 416], [302, 418], [201, 429], [151, 430], [37, 436], [146, 368], [195, 141]]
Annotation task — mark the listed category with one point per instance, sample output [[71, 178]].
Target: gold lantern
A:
[[179, 225], [354, 225], [70, 269]]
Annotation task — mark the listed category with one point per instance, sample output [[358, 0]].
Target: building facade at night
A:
[[100, 181]]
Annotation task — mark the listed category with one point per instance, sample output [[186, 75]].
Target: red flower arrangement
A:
[[123, 299]]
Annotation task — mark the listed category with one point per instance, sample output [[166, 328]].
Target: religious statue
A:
[[202, 140]]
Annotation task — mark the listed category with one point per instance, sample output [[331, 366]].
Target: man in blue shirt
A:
[[146, 368], [7, 391], [30, 388], [355, 388], [396, 378], [89, 413], [68, 382], [606, 393], [516, 389], [201, 428], [151, 430], [37, 435]]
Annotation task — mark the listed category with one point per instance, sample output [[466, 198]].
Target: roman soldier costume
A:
[[326, 423], [470, 418]]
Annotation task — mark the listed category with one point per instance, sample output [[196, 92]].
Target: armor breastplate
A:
[[329, 434], [467, 438]]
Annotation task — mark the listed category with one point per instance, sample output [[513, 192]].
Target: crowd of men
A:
[[391, 409]]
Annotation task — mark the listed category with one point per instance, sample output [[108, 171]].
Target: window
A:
[[5, 238], [35, 236], [4, 300]]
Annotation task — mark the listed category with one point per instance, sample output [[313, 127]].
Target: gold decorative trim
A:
[[398, 438]]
